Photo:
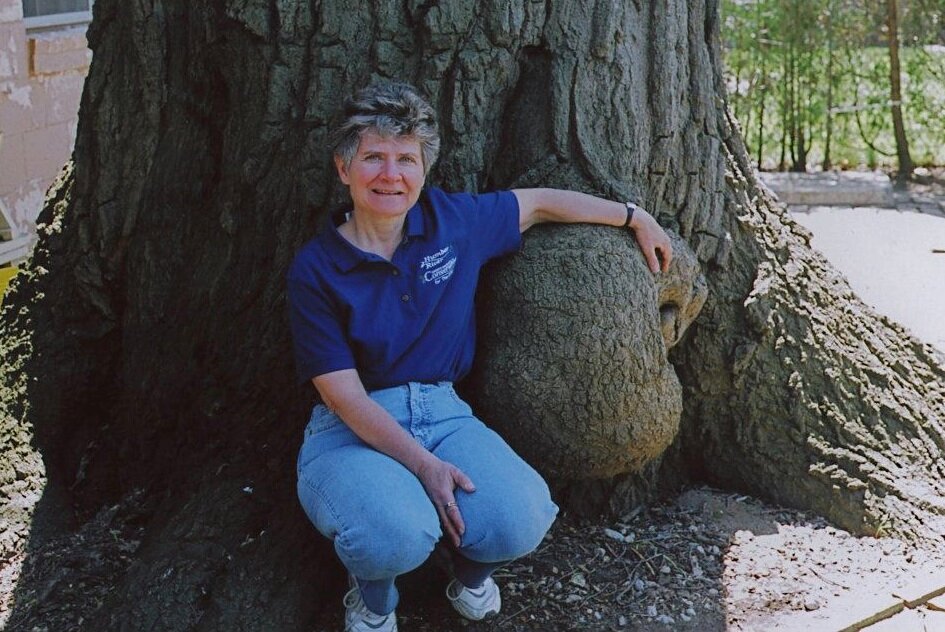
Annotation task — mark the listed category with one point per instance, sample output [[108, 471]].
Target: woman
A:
[[381, 308]]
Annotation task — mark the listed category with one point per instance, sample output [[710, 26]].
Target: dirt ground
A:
[[706, 561]]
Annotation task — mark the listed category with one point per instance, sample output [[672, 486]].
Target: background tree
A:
[[830, 81], [146, 347], [829, 66], [895, 90], [922, 29]]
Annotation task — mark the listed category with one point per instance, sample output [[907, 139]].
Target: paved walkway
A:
[[889, 244]]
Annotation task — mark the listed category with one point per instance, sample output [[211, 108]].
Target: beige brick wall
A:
[[41, 80]]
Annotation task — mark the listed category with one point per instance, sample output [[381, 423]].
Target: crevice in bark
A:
[[524, 141]]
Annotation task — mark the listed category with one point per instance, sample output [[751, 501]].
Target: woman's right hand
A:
[[440, 479], [343, 392]]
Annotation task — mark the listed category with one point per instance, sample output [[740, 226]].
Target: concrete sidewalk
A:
[[891, 249]]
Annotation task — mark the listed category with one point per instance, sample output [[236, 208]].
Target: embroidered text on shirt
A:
[[439, 266]]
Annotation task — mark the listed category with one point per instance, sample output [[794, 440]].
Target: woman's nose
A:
[[390, 170]]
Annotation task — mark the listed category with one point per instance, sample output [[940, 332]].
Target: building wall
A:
[[41, 80]]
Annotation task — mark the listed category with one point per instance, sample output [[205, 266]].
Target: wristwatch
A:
[[631, 207]]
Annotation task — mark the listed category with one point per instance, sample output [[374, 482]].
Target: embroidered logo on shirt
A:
[[438, 267]]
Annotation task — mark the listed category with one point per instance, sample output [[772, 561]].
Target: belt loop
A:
[[412, 397], [413, 409]]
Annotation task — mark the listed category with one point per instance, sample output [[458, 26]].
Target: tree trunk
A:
[[146, 347], [895, 92], [793, 107], [798, 109], [762, 100], [828, 107], [785, 109]]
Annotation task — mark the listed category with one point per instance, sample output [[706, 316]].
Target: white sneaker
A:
[[359, 619], [475, 603]]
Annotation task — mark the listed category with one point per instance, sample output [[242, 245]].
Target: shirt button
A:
[[395, 271], [405, 298]]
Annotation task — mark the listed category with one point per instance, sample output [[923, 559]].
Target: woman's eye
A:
[[410, 160]]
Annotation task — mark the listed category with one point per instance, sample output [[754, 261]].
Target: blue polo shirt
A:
[[410, 319]]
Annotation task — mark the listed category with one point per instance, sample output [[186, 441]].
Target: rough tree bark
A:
[[146, 346]]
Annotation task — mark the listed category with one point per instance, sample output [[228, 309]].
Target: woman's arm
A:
[[343, 393], [555, 205]]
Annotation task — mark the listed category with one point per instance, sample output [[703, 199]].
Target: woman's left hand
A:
[[652, 240], [536, 206]]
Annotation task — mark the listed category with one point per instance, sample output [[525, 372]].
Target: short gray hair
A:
[[389, 110]]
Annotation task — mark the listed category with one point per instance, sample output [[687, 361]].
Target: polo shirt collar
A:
[[346, 256]]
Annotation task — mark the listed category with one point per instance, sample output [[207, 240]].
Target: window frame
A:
[[58, 20]]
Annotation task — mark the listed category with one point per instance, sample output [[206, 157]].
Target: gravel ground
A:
[[706, 561]]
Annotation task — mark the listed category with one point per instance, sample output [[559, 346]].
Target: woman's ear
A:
[[342, 169]]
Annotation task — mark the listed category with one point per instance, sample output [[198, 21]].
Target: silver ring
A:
[[449, 506]]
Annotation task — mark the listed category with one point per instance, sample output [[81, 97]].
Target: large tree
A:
[[146, 345]]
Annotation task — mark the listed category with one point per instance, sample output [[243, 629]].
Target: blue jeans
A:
[[377, 513]]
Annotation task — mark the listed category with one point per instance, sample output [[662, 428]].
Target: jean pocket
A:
[[322, 419], [464, 408]]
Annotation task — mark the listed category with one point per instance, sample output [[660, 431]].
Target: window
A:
[[40, 14]]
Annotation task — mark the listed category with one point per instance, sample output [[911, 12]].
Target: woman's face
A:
[[385, 176]]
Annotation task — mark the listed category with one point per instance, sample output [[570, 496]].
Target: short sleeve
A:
[[318, 336], [494, 224]]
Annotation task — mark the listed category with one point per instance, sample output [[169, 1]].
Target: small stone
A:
[[572, 598], [621, 620], [713, 592], [690, 612], [613, 535], [651, 611], [665, 619], [890, 546], [811, 604], [578, 580], [665, 569], [742, 536], [630, 537], [639, 585]]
